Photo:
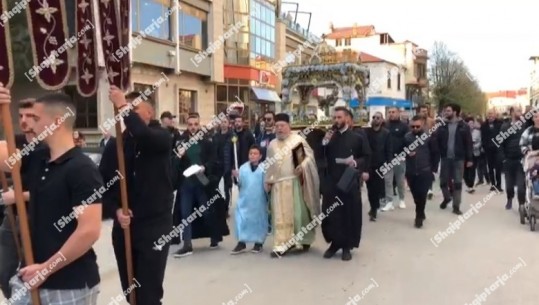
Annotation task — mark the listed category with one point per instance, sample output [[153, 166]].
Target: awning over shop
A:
[[389, 102], [263, 94]]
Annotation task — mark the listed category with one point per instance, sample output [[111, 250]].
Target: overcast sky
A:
[[495, 40]]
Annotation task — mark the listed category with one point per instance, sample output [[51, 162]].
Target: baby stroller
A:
[[530, 210]]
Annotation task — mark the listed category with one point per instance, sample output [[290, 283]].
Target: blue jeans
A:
[[536, 187], [191, 193], [9, 260]]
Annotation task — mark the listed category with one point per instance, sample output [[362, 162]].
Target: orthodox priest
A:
[[348, 156], [290, 172]]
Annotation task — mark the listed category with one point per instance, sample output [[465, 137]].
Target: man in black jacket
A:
[[245, 140], [489, 130], [223, 141], [512, 157], [149, 187], [196, 190], [397, 130], [167, 122], [421, 165], [456, 150], [380, 143]]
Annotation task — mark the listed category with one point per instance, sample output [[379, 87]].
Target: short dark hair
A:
[[257, 147], [270, 112], [193, 115], [27, 103], [454, 107], [59, 100], [417, 117], [346, 110], [422, 106], [134, 95]]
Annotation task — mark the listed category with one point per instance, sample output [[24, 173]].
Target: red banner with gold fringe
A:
[[125, 25], [87, 65], [111, 41], [6, 57], [49, 38]]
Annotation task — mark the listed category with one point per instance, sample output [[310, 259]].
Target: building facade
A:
[[502, 101], [407, 55], [534, 81]]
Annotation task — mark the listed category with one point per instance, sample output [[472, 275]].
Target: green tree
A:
[[452, 81]]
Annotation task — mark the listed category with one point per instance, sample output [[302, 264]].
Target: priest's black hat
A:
[[283, 117]]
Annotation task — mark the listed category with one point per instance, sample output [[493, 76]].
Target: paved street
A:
[[396, 264]]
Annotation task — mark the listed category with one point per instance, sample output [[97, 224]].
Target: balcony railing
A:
[[420, 53]]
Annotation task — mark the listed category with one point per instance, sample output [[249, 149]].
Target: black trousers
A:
[[228, 189], [149, 262], [482, 171], [469, 173], [419, 187], [375, 190], [514, 176], [494, 168]]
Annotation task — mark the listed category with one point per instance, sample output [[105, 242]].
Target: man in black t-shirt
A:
[[64, 212], [9, 260]]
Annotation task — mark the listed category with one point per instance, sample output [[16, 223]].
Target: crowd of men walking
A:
[[288, 184]]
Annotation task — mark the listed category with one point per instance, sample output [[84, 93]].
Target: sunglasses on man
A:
[[415, 126]]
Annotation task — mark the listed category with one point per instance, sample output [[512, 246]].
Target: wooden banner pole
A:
[[17, 185], [125, 206]]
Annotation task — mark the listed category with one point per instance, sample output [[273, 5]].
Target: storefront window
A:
[[187, 104], [193, 27]]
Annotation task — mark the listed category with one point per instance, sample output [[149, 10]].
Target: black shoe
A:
[[430, 195], [346, 255], [240, 248], [257, 248], [479, 183], [509, 205], [306, 248], [444, 204], [499, 189], [184, 251], [372, 215], [330, 252], [457, 211], [214, 244], [418, 223]]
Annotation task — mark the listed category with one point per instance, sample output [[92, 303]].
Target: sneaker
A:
[[257, 248], [388, 207], [444, 204], [184, 251], [457, 211], [372, 215], [493, 188], [240, 248], [214, 245], [402, 205]]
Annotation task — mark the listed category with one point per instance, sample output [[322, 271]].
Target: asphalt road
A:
[[490, 257]]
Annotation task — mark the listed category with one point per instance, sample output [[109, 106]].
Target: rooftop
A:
[[351, 32]]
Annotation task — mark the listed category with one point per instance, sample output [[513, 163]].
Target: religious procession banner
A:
[[6, 57], [87, 65], [49, 38], [111, 36], [125, 26]]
